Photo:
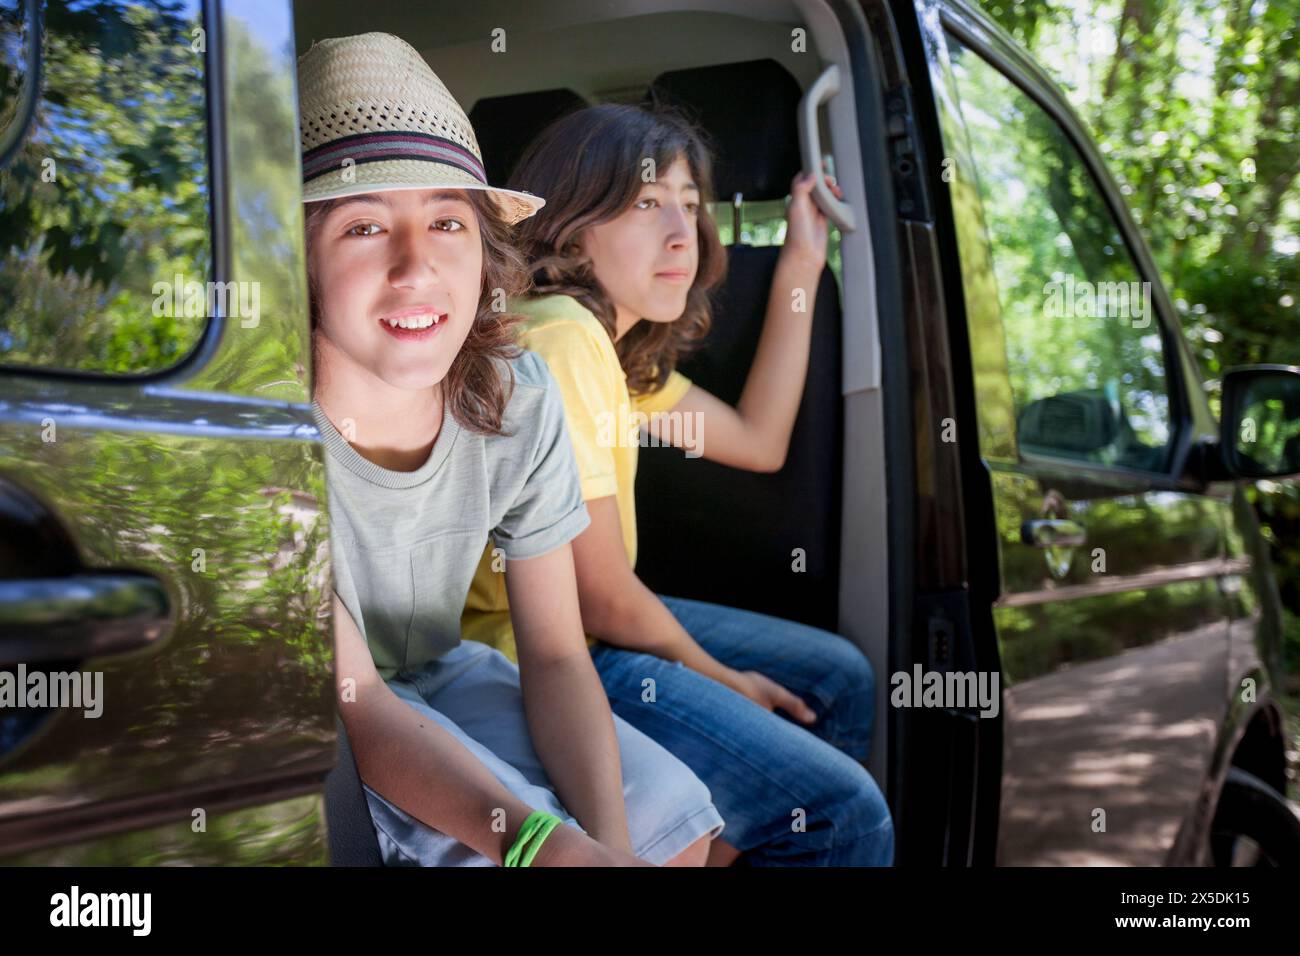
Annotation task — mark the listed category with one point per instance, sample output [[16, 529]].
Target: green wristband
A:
[[537, 827], [549, 824]]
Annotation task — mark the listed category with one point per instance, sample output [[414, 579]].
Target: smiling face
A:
[[398, 278], [646, 257]]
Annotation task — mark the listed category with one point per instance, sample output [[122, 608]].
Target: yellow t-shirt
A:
[[603, 425]]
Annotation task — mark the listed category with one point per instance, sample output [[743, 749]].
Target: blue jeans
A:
[[791, 795]]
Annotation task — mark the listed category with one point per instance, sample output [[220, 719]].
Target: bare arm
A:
[[755, 435], [568, 714], [420, 767], [620, 610]]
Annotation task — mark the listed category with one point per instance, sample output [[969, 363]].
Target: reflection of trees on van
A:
[[266, 227], [123, 115], [276, 834], [109, 192], [231, 602], [1142, 534], [1194, 106], [1079, 339], [1040, 640]]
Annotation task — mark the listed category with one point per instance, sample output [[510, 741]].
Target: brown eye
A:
[[455, 225], [363, 225]]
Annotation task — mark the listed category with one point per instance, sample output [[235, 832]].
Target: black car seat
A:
[[505, 125], [715, 533], [352, 838]]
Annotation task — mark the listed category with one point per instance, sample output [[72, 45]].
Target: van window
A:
[[1084, 349], [763, 224], [104, 226]]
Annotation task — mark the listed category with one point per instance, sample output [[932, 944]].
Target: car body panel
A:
[[210, 478]]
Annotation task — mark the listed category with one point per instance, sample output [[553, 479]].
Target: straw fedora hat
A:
[[375, 117]]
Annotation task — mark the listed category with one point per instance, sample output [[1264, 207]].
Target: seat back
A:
[[505, 125], [733, 537], [352, 837], [720, 534]]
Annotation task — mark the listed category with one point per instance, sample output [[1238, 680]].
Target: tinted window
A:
[[104, 204], [1084, 350]]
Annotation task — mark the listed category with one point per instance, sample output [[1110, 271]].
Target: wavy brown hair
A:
[[474, 388], [588, 167]]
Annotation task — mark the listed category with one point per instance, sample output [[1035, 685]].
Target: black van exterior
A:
[[1124, 596]]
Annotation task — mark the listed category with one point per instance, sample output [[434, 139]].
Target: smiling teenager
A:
[[624, 257], [437, 433]]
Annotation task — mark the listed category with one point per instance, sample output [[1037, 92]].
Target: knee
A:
[[877, 845], [688, 792], [858, 808], [852, 674], [847, 821], [874, 848], [697, 854], [860, 675], [852, 700], [664, 796]]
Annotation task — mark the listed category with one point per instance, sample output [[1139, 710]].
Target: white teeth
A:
[[415, 321]]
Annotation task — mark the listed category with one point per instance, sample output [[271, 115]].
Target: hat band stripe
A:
[[373, 147], [403, 137], [367, 140], [321, 165], [327, 164], [379, 159]]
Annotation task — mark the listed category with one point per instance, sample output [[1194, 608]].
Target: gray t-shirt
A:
[[405, 544]]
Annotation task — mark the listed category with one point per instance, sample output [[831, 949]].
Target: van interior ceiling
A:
[[808, 542]]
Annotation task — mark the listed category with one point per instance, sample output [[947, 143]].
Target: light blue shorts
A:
[[473, 691]]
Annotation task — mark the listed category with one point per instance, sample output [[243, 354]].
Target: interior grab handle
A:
[[810, 148]]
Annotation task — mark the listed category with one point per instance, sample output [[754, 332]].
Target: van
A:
[[1006, 484]]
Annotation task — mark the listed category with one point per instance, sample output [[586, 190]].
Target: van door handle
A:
[[79, 616], [1053, 533]]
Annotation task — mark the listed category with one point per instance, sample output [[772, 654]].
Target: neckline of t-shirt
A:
[[366, 469]]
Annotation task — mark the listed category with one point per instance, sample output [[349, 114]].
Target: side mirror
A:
[[1260, 431]]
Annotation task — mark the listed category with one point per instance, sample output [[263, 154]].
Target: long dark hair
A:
[[588, 166], [474, 388]]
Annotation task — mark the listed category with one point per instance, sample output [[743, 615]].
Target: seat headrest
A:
[[749, 112], [505, 125]]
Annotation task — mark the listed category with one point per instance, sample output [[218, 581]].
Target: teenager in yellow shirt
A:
[[623, 268]]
